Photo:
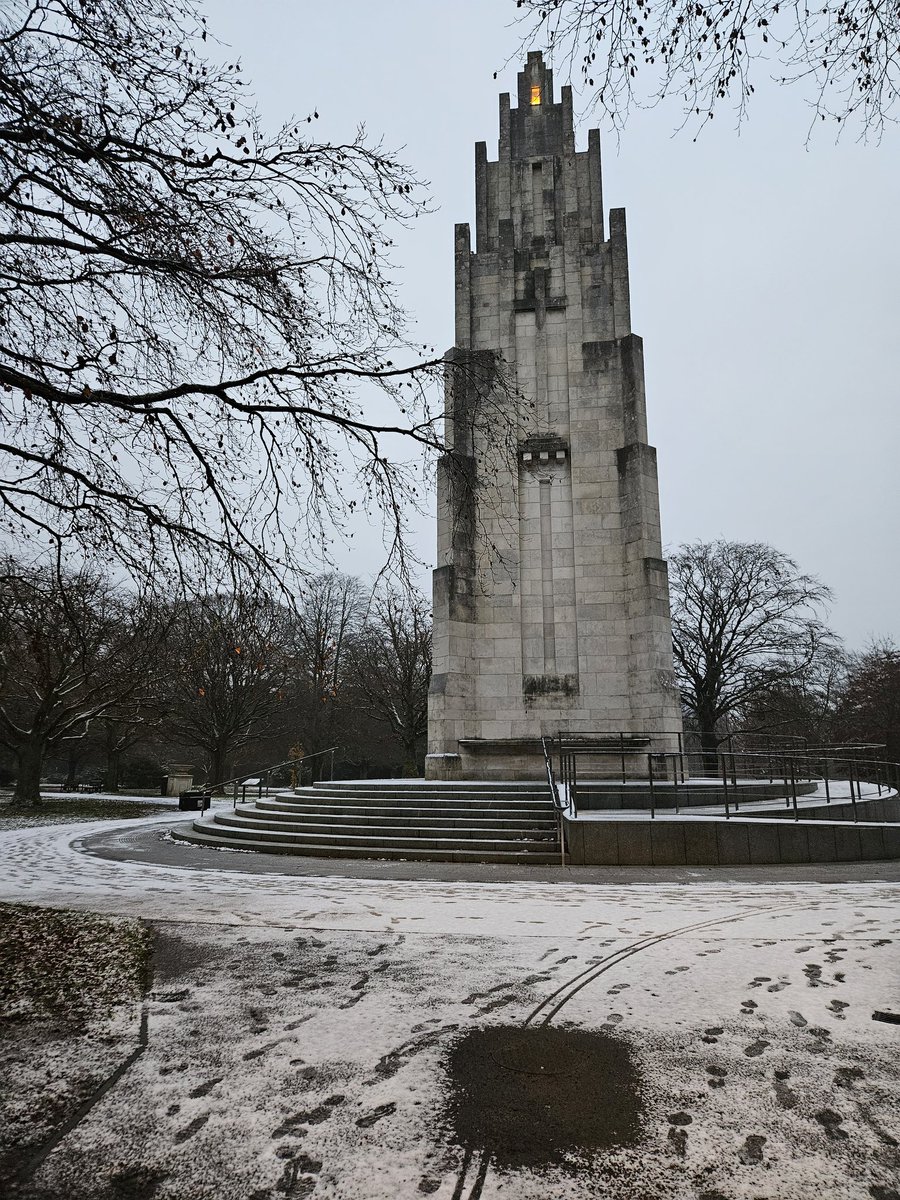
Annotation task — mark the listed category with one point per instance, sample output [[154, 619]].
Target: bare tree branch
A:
[[635, 53], [202, 353]]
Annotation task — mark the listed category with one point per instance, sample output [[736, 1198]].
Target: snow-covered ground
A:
[[300, 1034]]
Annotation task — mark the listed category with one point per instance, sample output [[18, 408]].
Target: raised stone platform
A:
[[509, 822]]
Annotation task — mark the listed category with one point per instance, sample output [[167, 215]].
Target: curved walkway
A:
[[147, 843], [307, 1029]]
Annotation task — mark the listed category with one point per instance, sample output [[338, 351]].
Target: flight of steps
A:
[[392, 819]]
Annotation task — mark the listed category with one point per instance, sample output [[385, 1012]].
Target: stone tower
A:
[[551, 603]]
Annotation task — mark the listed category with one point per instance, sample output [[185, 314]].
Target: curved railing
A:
[[726, 771]]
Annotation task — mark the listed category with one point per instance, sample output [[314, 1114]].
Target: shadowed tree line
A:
[[112, 684], [99, 682], [754, 655]]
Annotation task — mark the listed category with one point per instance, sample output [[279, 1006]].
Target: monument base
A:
[[610, 756]]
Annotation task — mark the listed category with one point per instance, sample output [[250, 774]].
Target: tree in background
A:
[[744, 621], [391, 665], [639, 52], [191, 304], [125, 726], [72, 647], [802, 708], [869, 705], [229, 669], [332, 609]]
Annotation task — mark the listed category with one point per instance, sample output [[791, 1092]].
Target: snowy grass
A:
[[60, 808], [67, 966]]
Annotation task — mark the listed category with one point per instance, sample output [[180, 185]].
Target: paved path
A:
[[307, 1033], [146, 843]]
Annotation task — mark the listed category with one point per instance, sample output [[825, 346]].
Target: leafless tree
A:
[[72, 648], [638, 52], [199, 336], [125, 726], [800, 709], [869, 704], [744, 619], [332, 609], [391, 660], [229, 669]]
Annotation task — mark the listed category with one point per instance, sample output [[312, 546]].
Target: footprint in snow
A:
[[751, 1152], [831, 1123], [756, 1048], [205, 1088], [376, 1114], [189, 1130]]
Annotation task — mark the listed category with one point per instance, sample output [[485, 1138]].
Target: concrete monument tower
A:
[[551, 603]]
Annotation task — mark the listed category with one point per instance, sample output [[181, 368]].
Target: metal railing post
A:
[[725, 786], [650, 778], [573, 765], [794, 791], [675, 781], [852, 797], [622, 750], [827, 784]]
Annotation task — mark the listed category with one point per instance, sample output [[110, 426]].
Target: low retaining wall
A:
[[741, 841], [604, 797], [884, 810]]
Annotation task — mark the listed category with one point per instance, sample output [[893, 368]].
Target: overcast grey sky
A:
[[765, 275]]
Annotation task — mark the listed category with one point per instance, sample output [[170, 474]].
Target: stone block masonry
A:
[[551, 604]]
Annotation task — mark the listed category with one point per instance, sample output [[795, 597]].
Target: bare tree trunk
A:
[[410, 762], [709, 748], [218, 766], [30, 762], [113, 768], [73, 762]]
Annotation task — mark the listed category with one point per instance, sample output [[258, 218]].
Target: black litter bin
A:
[[194, 800]]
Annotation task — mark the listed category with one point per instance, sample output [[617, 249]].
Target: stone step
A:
[[429, 787], [381, 830], [423, 852], [399, 818], [457, 796], [513, 816], [371, 841]]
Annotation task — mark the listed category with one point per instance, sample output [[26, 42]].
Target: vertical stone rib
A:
[[481, 198], [547, 579]]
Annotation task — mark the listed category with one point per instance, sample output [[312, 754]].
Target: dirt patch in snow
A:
[[534, 1096]]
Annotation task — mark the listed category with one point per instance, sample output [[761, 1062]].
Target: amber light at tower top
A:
[[535, 95]]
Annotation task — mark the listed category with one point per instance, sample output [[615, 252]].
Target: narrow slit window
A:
[[536, 94]]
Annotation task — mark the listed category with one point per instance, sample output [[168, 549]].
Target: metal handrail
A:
[[558, 806], [265, 774]]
